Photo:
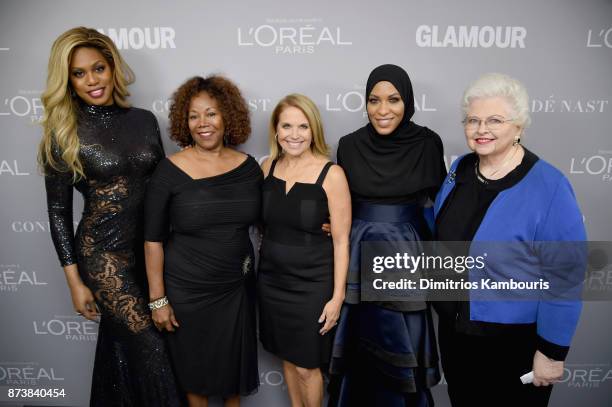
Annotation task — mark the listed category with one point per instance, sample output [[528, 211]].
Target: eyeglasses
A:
[[491, 123]]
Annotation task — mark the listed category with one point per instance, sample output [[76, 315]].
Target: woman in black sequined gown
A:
[[108, 154]]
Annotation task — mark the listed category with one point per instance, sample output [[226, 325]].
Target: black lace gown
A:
[[119, 150]]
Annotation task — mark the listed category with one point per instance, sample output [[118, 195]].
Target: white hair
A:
[[500, 85]]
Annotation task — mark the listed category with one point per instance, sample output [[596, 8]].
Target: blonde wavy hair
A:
[[310, 110], [59, 147]]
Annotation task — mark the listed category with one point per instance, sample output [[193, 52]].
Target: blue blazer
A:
[[540, 208]]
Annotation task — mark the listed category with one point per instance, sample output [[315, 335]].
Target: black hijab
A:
[[392, 168]]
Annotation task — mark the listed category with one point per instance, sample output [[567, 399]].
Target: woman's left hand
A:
[[326, 227], [330, 315], [545, 370]]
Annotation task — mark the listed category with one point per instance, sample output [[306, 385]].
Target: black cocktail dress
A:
[[208, 273], [296, 273]]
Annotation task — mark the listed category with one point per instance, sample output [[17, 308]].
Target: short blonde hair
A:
[[310, 110], [500, 85]]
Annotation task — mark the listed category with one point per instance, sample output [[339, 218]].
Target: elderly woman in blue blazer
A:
[[502, 192]]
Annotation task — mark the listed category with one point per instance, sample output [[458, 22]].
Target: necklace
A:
[[482, 179]]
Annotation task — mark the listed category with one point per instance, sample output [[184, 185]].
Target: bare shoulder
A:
[[265, 166], [237, 157], [335, 178], [180, 157]]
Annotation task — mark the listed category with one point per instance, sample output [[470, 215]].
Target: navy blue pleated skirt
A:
[[384, 354]]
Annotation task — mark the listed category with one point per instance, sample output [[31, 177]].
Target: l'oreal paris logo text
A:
[[70, 328], [291, 38], [601, 38], [586, 376], [12, 278], [26, 373], [11, 167], [355, 101], [25, 104], [599, 165]]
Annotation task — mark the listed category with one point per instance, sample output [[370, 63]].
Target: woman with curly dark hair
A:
[[199, 206]]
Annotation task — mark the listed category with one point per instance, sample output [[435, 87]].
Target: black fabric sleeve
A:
[[552, 350], [157, 204], [158, 137], [59, 187]]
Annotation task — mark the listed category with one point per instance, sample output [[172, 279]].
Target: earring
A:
[[278, 145], [226, 140], [516, 141], [72, 93]]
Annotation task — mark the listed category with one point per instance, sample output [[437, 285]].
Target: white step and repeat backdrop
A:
[[561, 50]]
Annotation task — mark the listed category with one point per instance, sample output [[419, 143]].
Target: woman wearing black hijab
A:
[[385, 352]]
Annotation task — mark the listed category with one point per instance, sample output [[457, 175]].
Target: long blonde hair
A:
[[310, 110], [59, 147]]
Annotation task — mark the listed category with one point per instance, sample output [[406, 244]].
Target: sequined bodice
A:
[[119, 150]]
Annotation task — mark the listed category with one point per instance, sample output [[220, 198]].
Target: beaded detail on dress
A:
[[119, 149]]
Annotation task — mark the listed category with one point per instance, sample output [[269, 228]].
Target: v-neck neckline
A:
[[286, 193]]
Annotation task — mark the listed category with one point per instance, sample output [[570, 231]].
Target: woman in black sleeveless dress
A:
[[302, 271], [200, 204], [96, 143]]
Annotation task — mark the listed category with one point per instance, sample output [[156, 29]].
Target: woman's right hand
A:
[[164, 318], [83, 302]]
